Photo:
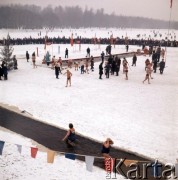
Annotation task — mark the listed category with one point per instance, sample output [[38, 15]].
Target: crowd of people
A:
[[5, 66], [109, 65], [79, 40]]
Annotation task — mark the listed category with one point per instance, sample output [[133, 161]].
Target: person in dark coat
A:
[[5, 72], [15, 62], [155, 63], [92, 63], [127, 48], [109, 49], [161, 66], [158, 53], [102, 56], [113, 67], [88, 52], [134, 60], [107, 70], [100, 70], [57, 70], [66, 53], [27, 56], [1, 72], [154, 56], [118, 63]]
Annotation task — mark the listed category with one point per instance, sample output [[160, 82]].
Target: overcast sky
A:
[[158, 9]]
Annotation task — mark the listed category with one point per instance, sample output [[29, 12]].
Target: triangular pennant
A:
[[70, 156], [128, 162], [1, 146], [50, 156], [34, 152], [89, 160], [19, 148], [109, 163]]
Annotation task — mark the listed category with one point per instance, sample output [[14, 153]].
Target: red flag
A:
[[34, 152], [72, 40], [170, 3]]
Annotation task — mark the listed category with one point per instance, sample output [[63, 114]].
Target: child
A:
[[69, 74]]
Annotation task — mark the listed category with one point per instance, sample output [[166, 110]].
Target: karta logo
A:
[[132, 169]]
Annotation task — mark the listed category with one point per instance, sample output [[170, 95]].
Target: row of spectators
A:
[[117, 41]]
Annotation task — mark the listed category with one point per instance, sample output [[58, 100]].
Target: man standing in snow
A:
[[127, 48], [27, 56], [82, 67], [15, 62], [57, 70], [66, 53], [102, 56], [100, 70], [34, 60], [88, 52], [162, 66], [107, 69], [92, 63], [69, 75], [134, 59]]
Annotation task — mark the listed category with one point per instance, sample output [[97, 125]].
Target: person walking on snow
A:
[[162, 66], [34, 60], [100, 70], [69, 75], [88, 52], [134, 59], [57, 70], [147, 77], [27, 56], [66, 53]]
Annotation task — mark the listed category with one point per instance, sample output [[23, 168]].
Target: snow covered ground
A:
[[16, 166], [139, 117]]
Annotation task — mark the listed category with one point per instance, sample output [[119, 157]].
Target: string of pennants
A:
[[89, 160]]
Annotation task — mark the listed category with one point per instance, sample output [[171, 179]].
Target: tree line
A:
[[32, 16]]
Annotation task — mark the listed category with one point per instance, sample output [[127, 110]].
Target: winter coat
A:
[[57, 70], [162, 65], [27, 56], [101, 69], [1, 71]]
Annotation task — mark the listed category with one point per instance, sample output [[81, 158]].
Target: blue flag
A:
[[70, 156], [1, 146]]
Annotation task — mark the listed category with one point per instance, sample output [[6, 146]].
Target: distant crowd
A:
[[79, 40]]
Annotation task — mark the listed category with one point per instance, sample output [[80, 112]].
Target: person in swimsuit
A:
[[70, 137], [69, 74], [106, 148]]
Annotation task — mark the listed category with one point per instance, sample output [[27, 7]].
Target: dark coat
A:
[[101, 69], [162, 65], [27, 55], [57, 70], [5, 70], [1, 71]]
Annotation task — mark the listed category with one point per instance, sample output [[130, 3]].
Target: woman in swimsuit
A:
[[106, 148]]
